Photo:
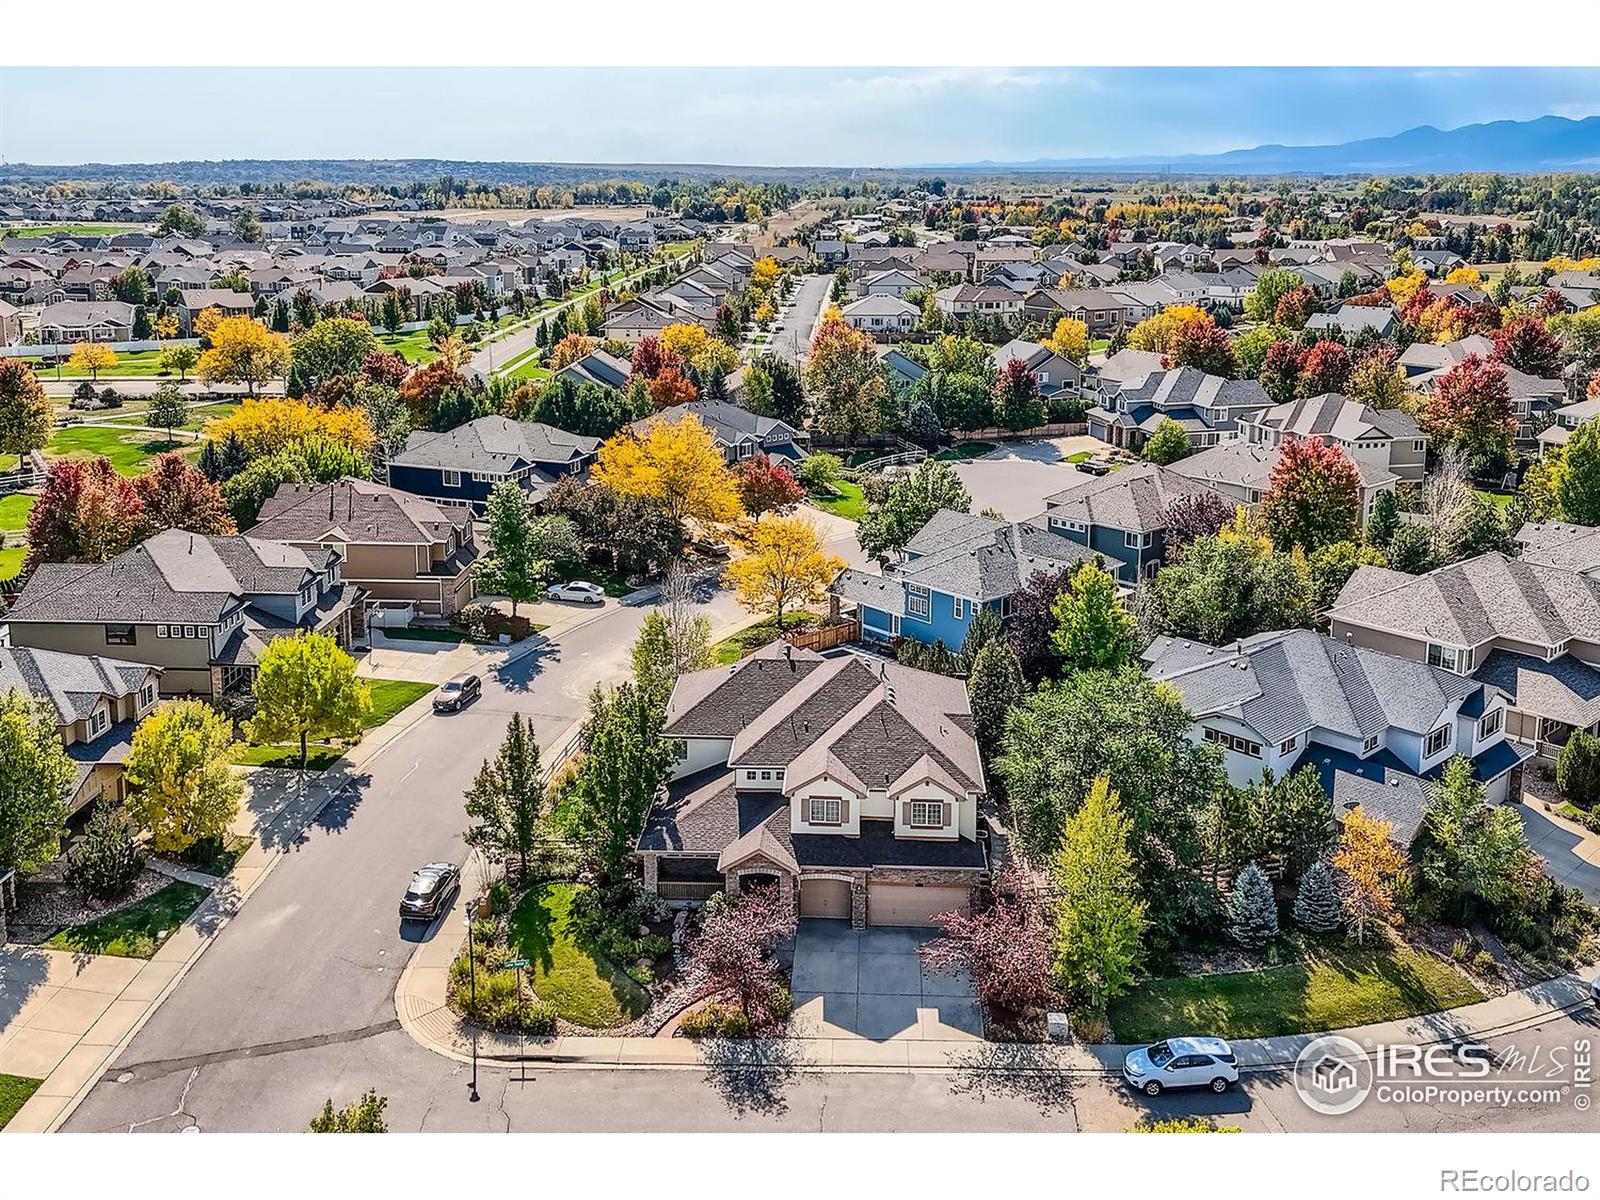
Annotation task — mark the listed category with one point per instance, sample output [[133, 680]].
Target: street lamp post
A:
[[472, 983]]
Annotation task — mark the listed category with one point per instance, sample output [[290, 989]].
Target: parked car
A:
[[1182, 1062], [1090, 466], [457, 693], [430, 891], [579, 591]]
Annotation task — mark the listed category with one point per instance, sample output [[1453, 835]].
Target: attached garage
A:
[[825, 898], [913, 904]]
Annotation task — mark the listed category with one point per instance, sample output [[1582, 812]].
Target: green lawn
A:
[[1080, 456], [216, 856], [200, 415], [14, 510], [1494, 498], [130, 453], [1335, 990], [389, 698], [747, 641], [92, 230], [136, 931], [139, 362], [583, 986], [319, 757], [11, 558], [963, 451], [414, 347], [848, 501], [14, 1093]]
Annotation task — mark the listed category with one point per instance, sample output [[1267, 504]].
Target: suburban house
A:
[[85, 321], [1055, 373], [10, 324], [200, 607], [97, 702], [1294, 698], [894, 283], [1421, 358], [956, 564], [194, 301], [1208, 407], [1102, 311], [1242, 472], [975, 299], [461, 466], [1385, 437], [1352, 319], [400, 549], [739, 432], [1530, 630], [1564, 420], [883, 316], [597, 366], [1122, 515], [853, 786], [1556, 544]]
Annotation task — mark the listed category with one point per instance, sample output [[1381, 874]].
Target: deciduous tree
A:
[[86, 513], [1371, 865], [1070, 339], [766, 486], [909, 504], [1204, 346], [333, 346], [994, 686], [1314, 497], [1004, 946], [181, 359], [183, 785], [736, 944], [35, 774], [677, 464], [845, 382], [27, 418], [244, 351], [91, 357], [1100, 919], [1167, 444], [1017, 405], [306, 687], [1470, 412], [523, 548], [1093, 629], [168, 410], [176, 495], [1525, 343], [784, 566], [505, 799], [1231, 586]]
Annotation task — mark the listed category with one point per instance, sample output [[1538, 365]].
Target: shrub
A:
[[704, 1022], [496, 623], [485, 933], [1484, 963], [1589, 820], [1459, 950], [1091, 1028], [538, 1019], [1578, 770], [360, 1116], [107, 859], [500, 895]]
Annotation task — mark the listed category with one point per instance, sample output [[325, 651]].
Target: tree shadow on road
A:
[[750, 1077], [1014, 1071]]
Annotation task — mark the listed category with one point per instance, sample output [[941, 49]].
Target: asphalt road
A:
[[791, 336]]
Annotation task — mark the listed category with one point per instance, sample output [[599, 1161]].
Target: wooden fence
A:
[[824, 637]]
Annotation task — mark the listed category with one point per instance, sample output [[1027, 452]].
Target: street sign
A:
[[517, 964]]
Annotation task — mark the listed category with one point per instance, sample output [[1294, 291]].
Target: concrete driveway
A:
[[869, 983], [1573, 858], [1015, 477]]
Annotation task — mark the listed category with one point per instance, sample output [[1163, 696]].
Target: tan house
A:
[[1387, 438], [854, 785], [97, 701], [396, 547], [1530, 630], [201, 608]]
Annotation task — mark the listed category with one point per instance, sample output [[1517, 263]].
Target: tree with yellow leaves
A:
[[264, 426], [1155, 333], [92, 357], [1468, 275], [1405, 286], [764, 313], [207, 321], [1070, 339], [167, 326], [765, 272], [244, 351], [698, 348], [675, 463], [1370, 864], [784, 566]]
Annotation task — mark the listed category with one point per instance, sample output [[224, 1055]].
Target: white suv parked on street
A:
[[1182, 1062]]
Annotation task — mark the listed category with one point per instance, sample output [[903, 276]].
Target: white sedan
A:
[[578, 591]]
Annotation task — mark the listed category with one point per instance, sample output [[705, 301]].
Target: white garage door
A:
[[825, 898], [908, 904]]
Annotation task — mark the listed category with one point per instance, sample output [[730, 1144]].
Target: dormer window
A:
[[827, 810], [927, 814], [1446, 658], [1368, 746]]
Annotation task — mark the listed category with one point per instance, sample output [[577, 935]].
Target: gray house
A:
[[1122, 516]]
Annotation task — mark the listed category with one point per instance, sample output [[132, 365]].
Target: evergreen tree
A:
[[1316, 905], [1385, 519], [505, 799], [107, 858], [1252, 911], [994, 685]]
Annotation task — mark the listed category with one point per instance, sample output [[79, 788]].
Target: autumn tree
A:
[[1280, 371], [1525, 343], [35, 775], [175, 495], [267, 425], [1324, 368], [670, 387], [783, 566], [1370, 865], [86, 513], [1204, 346], [1231, 586], [168, 410], [1470, 412], [766, 486], [1377, 379], [1100, 919], [505, 799], [1156, 334], [181, 359], [306, 687], [1004, 946], [1202, 513], [736, 946], [1017, 405], [1314, 496], [180, 773], [1070, 339], [90, 358], [1093, 629], [1294, 308], [244, 351], [1262, 303], [845, 381], [570, 349], [1033, 623], [27, 418], [909, 504], [677, 464]]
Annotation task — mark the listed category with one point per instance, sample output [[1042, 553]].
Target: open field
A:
[[90, 230]]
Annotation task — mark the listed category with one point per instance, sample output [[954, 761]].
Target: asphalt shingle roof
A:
[[73, 683], [1134, 499]]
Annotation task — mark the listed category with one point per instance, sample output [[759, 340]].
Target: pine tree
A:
[[1385, 519], [1316, 905], [107, 858], [994, 685], [505, 799], [1252, 911]]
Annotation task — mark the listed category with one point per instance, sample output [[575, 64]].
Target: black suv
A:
[[430, 891]]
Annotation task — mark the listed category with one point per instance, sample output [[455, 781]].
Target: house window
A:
[[767, 776], [960, 605], [450, 478], [1288, 746], [1445, 657], [1368, 746], [1490, 724], [121, 635], [927, 814], [1254, 494], [1229, 741], [161, 631], [1137, 541], [97, 722], [189, 631], [827, 810], [148, 696], [916, 600], [1437, 741]]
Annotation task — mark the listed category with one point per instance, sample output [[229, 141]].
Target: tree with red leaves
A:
[[1550, 305], [766, 486], [1470, 411], [86, 513], [670, 387], [1016, 397], [1005, 946], [1033, 621], [1294, 307], [1204, 346], [1484, 317], [1314, 498], [1325, 367], [735, 945], [177, 496], [1280, 371], [1527, 345], [1378, 297], [388, 369], [1190, 518], [650, 358]]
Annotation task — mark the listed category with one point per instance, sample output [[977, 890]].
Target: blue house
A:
[[957, 564], [462, 466], [1123, 515]]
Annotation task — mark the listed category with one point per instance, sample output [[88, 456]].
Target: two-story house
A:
[[1054, 373], [461, 466], [1122, 516], [855, 786], [1294, 698], [1530, 630], [1385, 437], [738, 432], [881, 315], [1242, 472], [1208, 407], [976, 299], [200, 607], [957, 564], [1563, 421], [97, 701], [397, 547]]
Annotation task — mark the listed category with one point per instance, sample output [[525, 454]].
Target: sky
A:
[[772, 116]]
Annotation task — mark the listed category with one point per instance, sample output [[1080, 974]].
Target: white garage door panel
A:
[[825, 898], [908, 904]]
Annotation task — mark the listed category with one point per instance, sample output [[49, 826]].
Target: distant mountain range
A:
[[1544, 144]]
